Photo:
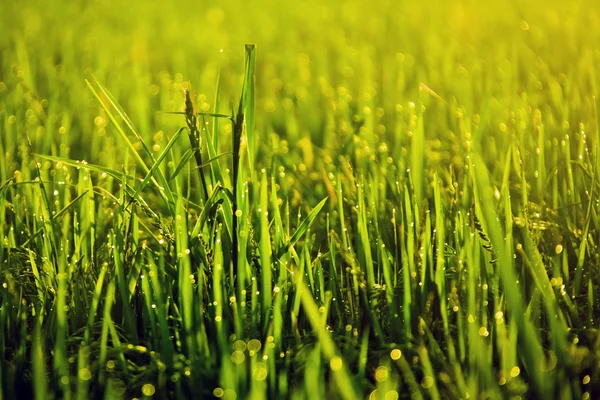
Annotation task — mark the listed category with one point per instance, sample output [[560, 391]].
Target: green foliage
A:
[[388, 201]]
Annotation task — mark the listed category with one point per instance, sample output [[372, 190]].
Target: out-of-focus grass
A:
[[379, 199]]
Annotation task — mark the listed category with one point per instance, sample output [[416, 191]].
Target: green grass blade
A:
[[156, 165], [302, 228], [248, 99]]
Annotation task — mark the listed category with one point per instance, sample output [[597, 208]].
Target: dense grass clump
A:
[[386, 201]]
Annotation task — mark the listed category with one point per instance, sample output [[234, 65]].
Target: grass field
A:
[[378, 200]]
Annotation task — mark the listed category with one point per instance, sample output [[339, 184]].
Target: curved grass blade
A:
[[119, 176], [81, 164], [123, 115], [185, 158], [166, 193], [302, 228], [218, 194], [55, 216], [211, 160], [157, 163]]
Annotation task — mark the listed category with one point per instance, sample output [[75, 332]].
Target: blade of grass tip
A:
[[238, 126], [341, 374], [248, 100]]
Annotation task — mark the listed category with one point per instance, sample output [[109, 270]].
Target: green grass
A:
[[377, 200]]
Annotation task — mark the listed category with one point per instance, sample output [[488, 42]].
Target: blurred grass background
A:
[[375, 54]]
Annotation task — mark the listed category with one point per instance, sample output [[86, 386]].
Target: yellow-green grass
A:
[[377, 199]]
